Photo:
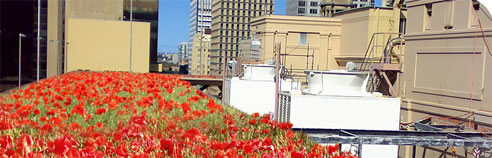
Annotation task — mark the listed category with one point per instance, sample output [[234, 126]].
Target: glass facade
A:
[[21, 17]]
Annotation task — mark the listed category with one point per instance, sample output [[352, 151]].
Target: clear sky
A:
[[174, 25]]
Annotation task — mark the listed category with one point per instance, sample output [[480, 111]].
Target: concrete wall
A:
[[323, 39], [443, 59], [103, 45]]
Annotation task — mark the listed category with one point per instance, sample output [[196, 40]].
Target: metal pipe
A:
[[20, 56], [66, 56], [38, 38], [131, 33], [389, 48], [277, 79], [201, 36], [307, 57]]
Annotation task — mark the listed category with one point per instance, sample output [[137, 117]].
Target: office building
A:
[[230, 24], [303, 8], [21, 17], [200, 17], [200, 52], [53, 32], [322, 43], [184, 53]]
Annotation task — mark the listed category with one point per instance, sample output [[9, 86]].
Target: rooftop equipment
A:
[[338, 100]]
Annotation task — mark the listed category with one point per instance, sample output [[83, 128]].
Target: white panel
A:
[[253, 96], [345, 112], [332, 112]]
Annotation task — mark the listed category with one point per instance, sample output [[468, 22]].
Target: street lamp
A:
[[131, 33], [20, 50]]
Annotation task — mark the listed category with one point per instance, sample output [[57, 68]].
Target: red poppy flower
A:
[[285, 125], [99, 124], [100, 111], [255, 114], [36, 112], [252, 121]]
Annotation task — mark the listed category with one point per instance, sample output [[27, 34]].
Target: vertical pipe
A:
[[66, 56], [312, 61], [329, 51], [307, 58], [359, 152], [131, 33], [20, 50], [414, 149], [285, 49], [201, 36], [38, 38], [277, 79]]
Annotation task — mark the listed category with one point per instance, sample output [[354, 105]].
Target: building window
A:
[[301, 10], [313, 11], [302, 39], [302, 3], [314, 3]]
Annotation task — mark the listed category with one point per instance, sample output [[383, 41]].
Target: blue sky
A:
[[173, 22]]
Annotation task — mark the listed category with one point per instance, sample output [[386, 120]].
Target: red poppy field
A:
[[120, 114]]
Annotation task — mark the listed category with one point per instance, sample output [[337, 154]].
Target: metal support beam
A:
[[413, 138]]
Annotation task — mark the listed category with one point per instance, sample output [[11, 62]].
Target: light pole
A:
[[20, 50], [38, 38], [201, 34], [131, 32]]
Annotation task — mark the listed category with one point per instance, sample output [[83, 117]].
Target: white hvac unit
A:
[[339, 100], [255, 91]]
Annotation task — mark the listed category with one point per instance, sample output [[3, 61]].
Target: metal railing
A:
[[372, 56]]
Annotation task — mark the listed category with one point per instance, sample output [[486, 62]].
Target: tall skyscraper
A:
[[200, 16], [303, 8], [230, 24]]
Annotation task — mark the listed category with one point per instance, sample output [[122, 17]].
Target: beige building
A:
[[59, 12], [374, 28], [330, 7], [230, 24], [299, 38], [102, 45], [332, 41], [446, 73], [200, 65]]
